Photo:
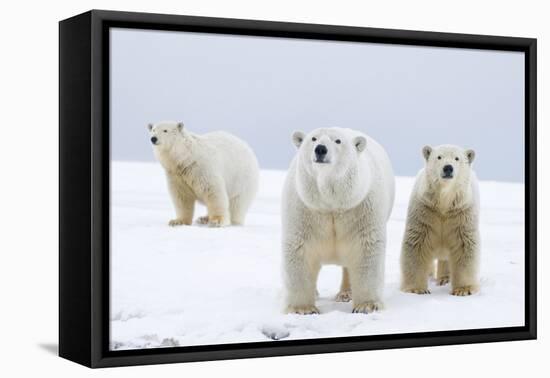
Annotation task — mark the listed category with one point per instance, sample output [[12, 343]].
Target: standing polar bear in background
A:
[[443, 223], [217, 169], [337, 198]]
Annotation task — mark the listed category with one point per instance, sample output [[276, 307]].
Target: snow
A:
[[193, 285]]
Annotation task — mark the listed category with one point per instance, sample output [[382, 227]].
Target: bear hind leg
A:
[[217, 205], [442, 276], [238, 207], [202, 220], [344, 295]]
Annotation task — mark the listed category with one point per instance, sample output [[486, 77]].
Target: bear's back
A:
[[379, 162], [233, 158]]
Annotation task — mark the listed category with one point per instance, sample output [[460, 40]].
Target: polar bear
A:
[[337, 198], [442, 228], [217, 169]]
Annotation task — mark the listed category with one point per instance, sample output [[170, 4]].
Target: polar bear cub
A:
[[217, 169], [443, 223], [337, 198]]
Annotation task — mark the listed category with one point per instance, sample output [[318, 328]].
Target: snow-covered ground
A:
[[194, 285]]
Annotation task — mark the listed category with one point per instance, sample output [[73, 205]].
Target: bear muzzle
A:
[[321, 152], [447, 172]]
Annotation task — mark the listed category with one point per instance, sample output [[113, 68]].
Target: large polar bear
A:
[[216, 169], [442, 223], [337, 198]]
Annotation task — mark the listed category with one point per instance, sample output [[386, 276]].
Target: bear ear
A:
[[298, 138], [471, 155], [150, 126], [180, 126], [360, 142], [426, 152]]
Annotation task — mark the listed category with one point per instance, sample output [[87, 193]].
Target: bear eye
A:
[[165, 131], [439, 158], [456, 158], [337, 141], [314, 139]]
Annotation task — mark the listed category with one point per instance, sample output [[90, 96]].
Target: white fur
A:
[[336, 213], [443, 224], [216, 169]]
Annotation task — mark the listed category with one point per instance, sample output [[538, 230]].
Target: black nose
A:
[[448, 169], [154, 140], [321, 150]]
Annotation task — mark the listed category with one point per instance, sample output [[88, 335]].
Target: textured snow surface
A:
[[193, 285]]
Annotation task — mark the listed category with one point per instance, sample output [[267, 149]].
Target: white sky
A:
[[261, 89]]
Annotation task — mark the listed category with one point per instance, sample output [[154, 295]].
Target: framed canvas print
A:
[[235, 188]]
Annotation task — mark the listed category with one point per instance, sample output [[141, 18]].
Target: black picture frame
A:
[[84, 188]]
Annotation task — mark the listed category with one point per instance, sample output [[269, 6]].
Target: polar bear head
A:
[[331, 174], [171, 143], [448, 165], [164, 134]]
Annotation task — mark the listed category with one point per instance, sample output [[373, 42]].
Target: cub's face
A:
[[163, 134], [448, 164], [326, 149]]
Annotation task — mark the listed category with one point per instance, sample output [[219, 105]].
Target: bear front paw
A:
[[178, 222], [343, 296], [302, 310], [367, 307], [417, 290], [464, 290]]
